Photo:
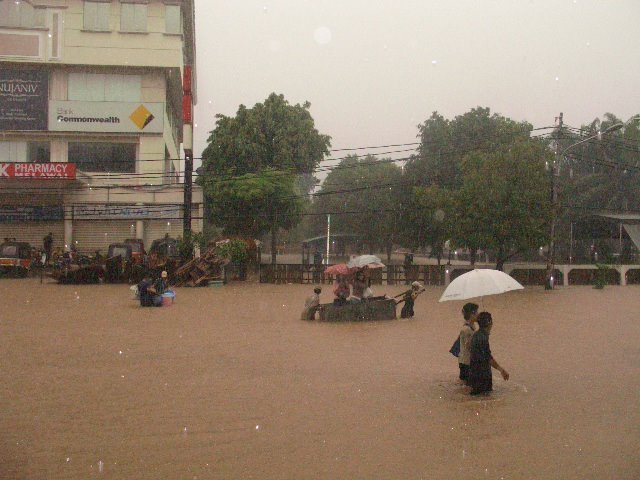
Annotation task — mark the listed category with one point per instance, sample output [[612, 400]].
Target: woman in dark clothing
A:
[[480, 378], [409, 299]]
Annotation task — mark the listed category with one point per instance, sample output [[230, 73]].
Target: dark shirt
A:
[[480, 361], [146, 298], [160, 286]]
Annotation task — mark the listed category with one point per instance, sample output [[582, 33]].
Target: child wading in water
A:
[[311, 305], [409, 298]]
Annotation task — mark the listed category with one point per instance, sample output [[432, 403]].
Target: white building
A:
[[91, 94]]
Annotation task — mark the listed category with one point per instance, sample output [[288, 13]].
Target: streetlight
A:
[[554, 191]]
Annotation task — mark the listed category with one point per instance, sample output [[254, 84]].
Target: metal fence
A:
[[432, 275], [390, 275]]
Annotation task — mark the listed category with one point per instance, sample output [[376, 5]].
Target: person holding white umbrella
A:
[[470, 314], [480, 378]]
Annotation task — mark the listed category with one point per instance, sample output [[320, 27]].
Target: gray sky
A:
[[374, 69]]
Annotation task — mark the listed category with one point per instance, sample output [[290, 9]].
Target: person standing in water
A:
[[470, 314], [481, 359]]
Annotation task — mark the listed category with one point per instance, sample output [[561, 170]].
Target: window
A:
[[20, 15], [103, 157], [96, 15], [13, 151], [133, 17], [20, 151], [173, 19], [38, 152], [100, 87]]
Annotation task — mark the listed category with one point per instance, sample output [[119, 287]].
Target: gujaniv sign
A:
[[23, 99]]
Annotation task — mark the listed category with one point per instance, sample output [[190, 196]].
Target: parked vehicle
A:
[[15, 258], [119, 262], [137, 250], [166, 247]]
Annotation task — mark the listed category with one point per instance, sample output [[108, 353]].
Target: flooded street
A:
[[229, 383]]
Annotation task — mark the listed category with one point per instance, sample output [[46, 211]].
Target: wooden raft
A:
[[368, 310]]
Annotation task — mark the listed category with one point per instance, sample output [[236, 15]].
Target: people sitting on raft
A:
[[341, 290], [361, 288], [151, 293]]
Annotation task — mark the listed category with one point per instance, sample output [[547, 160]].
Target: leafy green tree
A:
[[365, 195], [444, 144], [429, 219], [254, 203], [273, 145], [503, 204], [604, 172]]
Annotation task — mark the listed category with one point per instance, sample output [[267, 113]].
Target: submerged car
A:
[[15, 258]]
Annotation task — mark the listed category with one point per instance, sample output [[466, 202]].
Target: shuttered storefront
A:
[[155, 229], [92, 235], [33, 232]]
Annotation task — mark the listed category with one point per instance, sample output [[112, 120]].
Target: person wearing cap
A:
[[159, 287], [311, 305], [481, 359], [409, 300]]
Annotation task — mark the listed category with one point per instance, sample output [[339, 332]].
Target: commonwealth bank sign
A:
[[110, 117]]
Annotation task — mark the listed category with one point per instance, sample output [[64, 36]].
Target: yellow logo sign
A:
[[141, 117]]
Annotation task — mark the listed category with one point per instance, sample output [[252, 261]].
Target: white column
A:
[[140, 229], [68, 228], [623, 275], [565, 275]]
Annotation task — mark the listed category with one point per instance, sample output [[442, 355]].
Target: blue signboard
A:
[[47, 213]]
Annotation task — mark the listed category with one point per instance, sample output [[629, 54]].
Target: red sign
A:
[[38, 170]]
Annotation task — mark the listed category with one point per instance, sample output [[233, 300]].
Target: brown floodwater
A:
[[228, 383]]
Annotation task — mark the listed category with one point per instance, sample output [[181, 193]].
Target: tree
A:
[[365, 195], [444, 144], [429, 219], [255, 203], [504, 202], [603, 172], [269, 146]]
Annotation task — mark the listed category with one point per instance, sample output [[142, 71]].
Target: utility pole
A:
[[326, 260], [187, 142], [554, 208]]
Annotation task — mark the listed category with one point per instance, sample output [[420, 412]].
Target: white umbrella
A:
[[479, 283], [363, 261]]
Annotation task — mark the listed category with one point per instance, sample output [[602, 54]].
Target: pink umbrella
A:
[[338, 269]]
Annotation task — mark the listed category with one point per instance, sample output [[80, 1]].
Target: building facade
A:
[[91, 120]]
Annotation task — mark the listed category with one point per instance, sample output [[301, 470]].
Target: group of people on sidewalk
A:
[[474, 357]]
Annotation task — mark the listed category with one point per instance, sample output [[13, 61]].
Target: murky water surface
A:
[[229, 383]]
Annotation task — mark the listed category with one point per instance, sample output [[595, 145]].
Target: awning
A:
[[634, 233], [629, 217]]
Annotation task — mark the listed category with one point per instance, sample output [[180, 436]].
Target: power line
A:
[[62, 190]]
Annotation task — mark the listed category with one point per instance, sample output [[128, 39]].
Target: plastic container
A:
[[168, 299]]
